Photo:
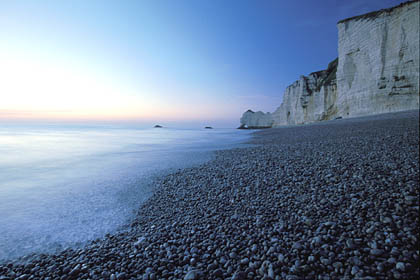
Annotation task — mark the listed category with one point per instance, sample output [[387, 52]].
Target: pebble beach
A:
[[331, 200]]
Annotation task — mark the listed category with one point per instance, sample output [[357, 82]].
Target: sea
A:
[[62, 185]]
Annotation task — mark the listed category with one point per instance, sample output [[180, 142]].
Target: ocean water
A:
[[62, 186]]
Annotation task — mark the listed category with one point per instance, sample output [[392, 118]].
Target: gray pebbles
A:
[[332, 200]]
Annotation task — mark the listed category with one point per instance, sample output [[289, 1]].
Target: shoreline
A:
[[77, 193], [337, 198]]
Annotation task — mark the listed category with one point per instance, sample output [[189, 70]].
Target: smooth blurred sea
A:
[[62, 185]]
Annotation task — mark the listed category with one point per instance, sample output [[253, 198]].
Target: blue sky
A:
[[162, 61]]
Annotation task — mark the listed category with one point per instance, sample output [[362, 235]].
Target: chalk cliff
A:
[[377, 71], [378, 68], [311, 98], [258, 119]]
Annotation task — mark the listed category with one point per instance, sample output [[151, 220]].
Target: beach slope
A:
[[338, 199]]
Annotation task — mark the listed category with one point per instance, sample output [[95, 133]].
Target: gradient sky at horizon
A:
[[161, 60]]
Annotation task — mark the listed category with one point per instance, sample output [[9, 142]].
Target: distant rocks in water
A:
[[208, 127], [376, 72], [158, 126]]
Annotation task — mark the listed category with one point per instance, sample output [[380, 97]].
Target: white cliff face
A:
[[377, 72], [378, 69], [310, 99], [258, 119]]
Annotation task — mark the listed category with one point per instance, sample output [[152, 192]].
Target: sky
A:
[[162, 61]]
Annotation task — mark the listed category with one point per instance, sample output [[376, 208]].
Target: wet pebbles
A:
[[326, 201]]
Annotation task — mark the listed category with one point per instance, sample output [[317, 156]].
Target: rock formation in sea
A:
[[377, 71]]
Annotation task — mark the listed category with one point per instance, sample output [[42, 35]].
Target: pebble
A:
[[280, 258], [270, 272], [254, 248], [337, 265], [239, 275], [297, 245], [193, 275], [218, 273], [325, 261], [354, 270], [376, 252], [400, 266], [350, 243], [316, 240]]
